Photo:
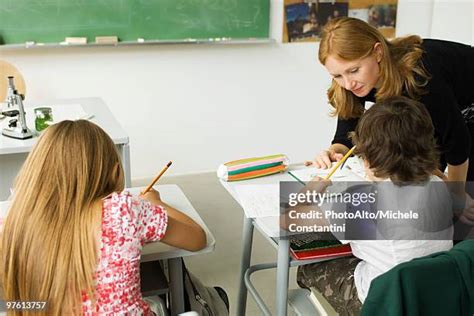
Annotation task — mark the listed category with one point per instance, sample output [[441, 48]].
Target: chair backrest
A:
[[438, 284], [6, 70]]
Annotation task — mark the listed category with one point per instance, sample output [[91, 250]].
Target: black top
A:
[[450, 90]]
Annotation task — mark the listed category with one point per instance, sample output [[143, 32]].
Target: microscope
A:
[[17, 125]]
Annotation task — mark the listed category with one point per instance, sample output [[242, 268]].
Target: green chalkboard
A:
[[50, 21]]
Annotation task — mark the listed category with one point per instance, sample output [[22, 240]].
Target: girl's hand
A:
[[153, 196], [324, 159]]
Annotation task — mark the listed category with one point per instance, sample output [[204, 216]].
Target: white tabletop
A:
[[270, 225], [94, 106], [171, 194]]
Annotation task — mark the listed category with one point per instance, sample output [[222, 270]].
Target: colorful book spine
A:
[[324, 252], [249, 168]]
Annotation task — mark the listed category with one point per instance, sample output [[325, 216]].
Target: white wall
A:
[[453, 20], [201, 105]]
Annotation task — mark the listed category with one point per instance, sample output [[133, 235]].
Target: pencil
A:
[[157, 177], [296, 178], [339, 163]]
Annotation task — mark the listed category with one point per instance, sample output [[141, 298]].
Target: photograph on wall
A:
[[301, 21], [305, 19], [381, 14], [329, 11]]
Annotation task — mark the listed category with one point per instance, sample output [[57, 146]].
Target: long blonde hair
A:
[[400, 68], [49, 241]]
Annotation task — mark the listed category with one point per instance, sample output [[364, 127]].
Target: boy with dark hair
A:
[[395, 138]]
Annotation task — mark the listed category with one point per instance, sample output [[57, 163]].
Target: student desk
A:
[[13, 152], [172, 195], [284, 260]]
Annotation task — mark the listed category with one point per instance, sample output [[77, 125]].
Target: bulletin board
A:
[[305, 19]]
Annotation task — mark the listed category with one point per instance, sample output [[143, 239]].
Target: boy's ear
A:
[[366, 164]]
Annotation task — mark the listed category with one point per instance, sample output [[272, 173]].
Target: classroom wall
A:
[[201, 105]]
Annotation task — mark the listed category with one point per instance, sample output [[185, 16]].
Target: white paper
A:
[[259, 200], [351, 171]]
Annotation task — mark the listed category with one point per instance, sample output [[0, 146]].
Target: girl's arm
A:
[[182, 231]]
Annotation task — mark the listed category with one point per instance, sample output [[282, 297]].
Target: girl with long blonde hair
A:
[[72, 238], [365, 66]]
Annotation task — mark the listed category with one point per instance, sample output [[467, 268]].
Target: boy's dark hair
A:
[[396, 137]]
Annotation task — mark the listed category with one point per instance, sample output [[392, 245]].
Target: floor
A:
[[223, 216]]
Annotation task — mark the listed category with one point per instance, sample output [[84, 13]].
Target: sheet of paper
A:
[[259, 200], [355, 165], [351, 171]]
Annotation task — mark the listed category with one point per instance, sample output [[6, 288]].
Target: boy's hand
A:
[[153, 196], [324, 159], [317, 184]]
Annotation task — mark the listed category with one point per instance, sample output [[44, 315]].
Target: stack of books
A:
[[317, 245]]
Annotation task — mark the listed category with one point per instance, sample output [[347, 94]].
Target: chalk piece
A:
[[76, 40], [106, 39], [140, 40], [30, 43]]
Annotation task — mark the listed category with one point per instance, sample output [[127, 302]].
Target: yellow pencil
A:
[[339, 163], [157, 177]]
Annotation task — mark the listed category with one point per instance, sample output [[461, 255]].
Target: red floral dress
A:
[[127, 224]]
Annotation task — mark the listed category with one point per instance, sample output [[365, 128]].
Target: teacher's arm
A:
[[324, 158], [458, 174]]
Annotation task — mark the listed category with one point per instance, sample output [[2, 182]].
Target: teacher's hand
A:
[[324, 159]]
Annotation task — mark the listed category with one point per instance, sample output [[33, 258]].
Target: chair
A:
[[6, 70], [438, 284]]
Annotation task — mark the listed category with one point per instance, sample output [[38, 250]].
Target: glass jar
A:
[[44, 118]]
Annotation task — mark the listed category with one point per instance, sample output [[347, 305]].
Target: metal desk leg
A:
[[175, 267], [247, 237], [283, 268], [125, 151]]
